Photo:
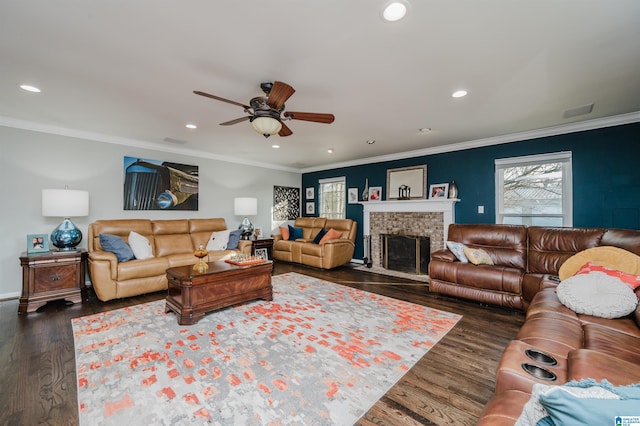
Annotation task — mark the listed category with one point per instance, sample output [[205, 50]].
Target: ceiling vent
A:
[[580, 110]]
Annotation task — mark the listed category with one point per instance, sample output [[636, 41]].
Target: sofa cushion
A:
[[234, 239], [331, 234], [597, 294], [631, 280], [142, 268], [284, 231], [477, 256], [321, 233], [140, 245], [117, 246], [218, 240], [295, 233], [458, 250], [612, 257]]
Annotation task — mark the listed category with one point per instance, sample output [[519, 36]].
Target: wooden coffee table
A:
[[192, 294]]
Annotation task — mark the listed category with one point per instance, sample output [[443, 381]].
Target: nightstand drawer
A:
[[54, 277]]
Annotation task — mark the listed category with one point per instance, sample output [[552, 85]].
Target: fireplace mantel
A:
[[446, 206]]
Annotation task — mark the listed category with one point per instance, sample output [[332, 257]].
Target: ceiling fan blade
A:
[[218, 98], [279, 94], [310, 116], [285, 131], [236, 121]]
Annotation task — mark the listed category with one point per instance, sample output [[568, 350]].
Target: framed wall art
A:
[[286, 203], [37, 243], [438, 190], [262, 253], [352, 196], [311, 208], [375, 193], [407, 180], [309, 193]]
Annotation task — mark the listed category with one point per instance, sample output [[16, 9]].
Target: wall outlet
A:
[[480, 209]]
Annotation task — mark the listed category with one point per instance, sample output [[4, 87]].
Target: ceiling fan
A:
[[266, 113]]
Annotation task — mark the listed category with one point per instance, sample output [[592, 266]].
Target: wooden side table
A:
[[259, 243], [51, 276]]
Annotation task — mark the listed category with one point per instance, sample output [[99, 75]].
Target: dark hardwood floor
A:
[[449, 385]]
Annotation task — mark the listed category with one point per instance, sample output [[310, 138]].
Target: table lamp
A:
[[65, 203], [246, 207]]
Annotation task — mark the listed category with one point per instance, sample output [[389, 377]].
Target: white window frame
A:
[[564, 157], [343, 213]]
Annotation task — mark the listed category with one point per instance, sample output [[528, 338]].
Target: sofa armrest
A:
[[244, 246], [106, 262], [444, 255], [276, 237]]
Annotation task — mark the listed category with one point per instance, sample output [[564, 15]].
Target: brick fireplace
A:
[[429, 218]]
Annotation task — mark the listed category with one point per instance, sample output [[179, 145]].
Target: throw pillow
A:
[[117, 246], [284, 231], [321, 233], [458, 250], [611, 257], [331, 234], [580, 402], [597, 294], [234, 239], [218, 240], [631, 280], [477, 256], [295, 233], [140, 246]]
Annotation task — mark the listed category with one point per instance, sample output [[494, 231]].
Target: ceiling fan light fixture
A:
[[266, 126]]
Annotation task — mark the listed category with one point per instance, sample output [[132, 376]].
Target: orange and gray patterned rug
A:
[[319, 353]]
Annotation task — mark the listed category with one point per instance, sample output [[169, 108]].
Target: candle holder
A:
[[201, 265]]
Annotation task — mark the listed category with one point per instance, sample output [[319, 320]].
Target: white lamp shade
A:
[[65, 203], [266, 125], [245, 206]]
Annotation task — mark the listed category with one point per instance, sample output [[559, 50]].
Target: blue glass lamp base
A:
[[66, 236]]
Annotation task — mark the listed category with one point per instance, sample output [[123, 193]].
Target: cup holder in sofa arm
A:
[[539, 372], [540, 357]]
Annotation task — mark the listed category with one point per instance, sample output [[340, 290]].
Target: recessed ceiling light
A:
[[425, 130], [330, 150], [394, 11], [191, 126], [29, 88], [459, 94], [274, 146], [370, 142]]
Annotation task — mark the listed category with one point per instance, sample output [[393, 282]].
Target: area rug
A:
[[319, 353]]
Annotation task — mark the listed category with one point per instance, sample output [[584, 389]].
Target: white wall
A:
[[31, 161]]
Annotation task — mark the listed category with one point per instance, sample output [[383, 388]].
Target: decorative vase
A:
[[365, 192], [453, 189], [201, 266]]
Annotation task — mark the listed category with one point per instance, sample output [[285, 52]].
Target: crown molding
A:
[[136, 143], [579, 126]]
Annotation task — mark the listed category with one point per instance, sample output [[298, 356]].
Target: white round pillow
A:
[[597, 294]]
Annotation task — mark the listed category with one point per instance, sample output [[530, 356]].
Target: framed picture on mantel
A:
[[407, 183]]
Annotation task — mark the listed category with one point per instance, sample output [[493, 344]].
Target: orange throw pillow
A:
[[632, 281], [331, 234], [284, 231]]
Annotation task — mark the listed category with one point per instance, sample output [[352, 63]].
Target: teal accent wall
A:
[[606, 176]]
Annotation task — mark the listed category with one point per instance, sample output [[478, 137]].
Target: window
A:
[[534, 190], [332, 198]]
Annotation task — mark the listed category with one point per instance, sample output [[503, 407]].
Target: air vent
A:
[[175, 141], [580, 110]]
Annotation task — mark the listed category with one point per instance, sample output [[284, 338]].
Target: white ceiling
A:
[[124, 71]]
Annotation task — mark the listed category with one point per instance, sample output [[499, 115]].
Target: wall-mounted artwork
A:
[[286, 203], [159, 185], [406, 183]]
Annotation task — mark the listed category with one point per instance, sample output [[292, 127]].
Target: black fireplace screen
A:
[[406, 253]]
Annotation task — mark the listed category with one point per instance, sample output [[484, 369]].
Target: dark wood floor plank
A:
[[449, 386]]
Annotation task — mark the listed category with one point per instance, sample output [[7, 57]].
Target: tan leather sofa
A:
[[331, 254], [173, 243]]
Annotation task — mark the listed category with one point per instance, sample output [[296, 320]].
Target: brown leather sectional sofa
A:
[[329, 255], [527, 262], [173, 243]]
